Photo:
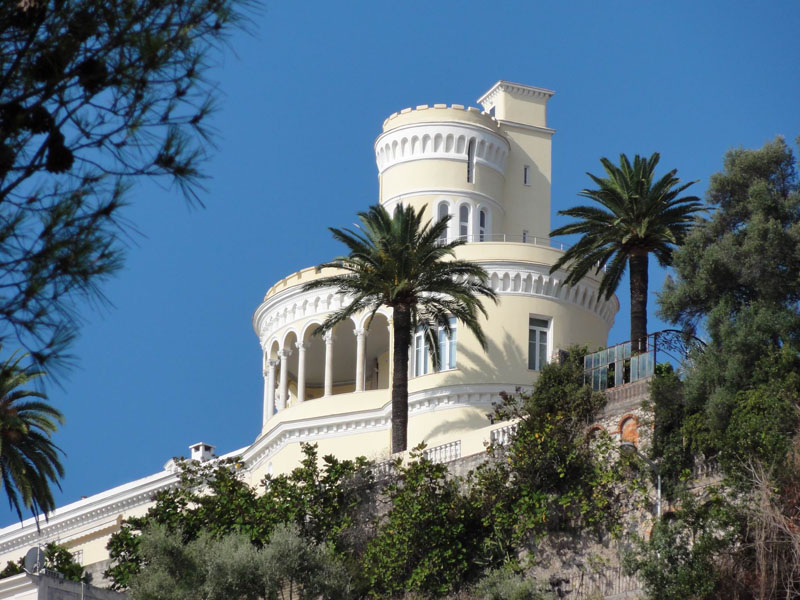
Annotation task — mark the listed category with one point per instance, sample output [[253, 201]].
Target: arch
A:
[[629, 429], [548, 286], [517, 284], [464, 220], [437, 142], [290, 331], [528, 283], [494, 282], [403, 146], [377, 353], [273, 346], [484, 223], [426, 143], [414, 145], [481, 148], [594, 431], [442, 211], [461, 144], [539, 285], [394, 149], [309, 330], [449, 143], [506, 282]]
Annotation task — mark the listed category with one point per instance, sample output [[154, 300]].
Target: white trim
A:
[[441, 140], [515, 89], [375, 419]]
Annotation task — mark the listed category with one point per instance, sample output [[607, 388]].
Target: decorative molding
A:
[[449, 141], [373, 419], [515, 89]]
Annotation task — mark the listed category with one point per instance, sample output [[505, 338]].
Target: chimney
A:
[[202, 452]]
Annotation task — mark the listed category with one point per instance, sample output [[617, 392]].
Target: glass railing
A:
[[617, 365]]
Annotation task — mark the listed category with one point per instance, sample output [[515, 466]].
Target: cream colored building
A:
[[490, 170]]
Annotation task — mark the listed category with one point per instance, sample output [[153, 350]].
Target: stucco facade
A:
[[490, 170]]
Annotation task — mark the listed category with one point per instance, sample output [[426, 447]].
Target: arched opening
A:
[[442, 213], [482, 225], [314, 362], [463, 222], [344, 358], [288, 356], [377, 356]]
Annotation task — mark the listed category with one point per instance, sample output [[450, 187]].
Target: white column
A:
[[269, 400], [361, 337], [329, 337], [283, 396], [301, 371]]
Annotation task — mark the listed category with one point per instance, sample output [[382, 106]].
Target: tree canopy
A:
[[399, 261], [94, 94], [638, 216], [29, 460]]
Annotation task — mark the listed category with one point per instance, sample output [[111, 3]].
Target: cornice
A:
[[515, 89], [373, 419], [86, 515]]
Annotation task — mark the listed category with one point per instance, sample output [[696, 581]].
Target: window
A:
[[463, 221], [471, 161], [525, 235], [526, 175], [537, 343], [443, 212], [482, 225], [423, 363], [420, 354]]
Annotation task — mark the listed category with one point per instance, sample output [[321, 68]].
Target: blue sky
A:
[[173, 359]]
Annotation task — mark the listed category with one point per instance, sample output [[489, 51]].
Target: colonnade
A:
[[277, 401]]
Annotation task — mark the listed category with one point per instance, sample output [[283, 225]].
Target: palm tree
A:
[[29, 460], [638, 216], [400, 262]]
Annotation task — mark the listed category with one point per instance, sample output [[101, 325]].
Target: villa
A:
[[489, 169]]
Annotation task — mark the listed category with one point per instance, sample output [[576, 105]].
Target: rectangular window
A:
[[537, 343], [526, 175]]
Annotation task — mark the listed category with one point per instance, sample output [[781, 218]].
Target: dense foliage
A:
[[323, 502], [738, 400], [552, 476], [94, 94], [230, 567], [400, 527]]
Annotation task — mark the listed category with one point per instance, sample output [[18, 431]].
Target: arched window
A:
[[471, 161], [463, 222], [443, 212], [482, 225]]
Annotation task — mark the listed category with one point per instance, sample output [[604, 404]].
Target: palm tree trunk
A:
[[401, 329], [638, 262]]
